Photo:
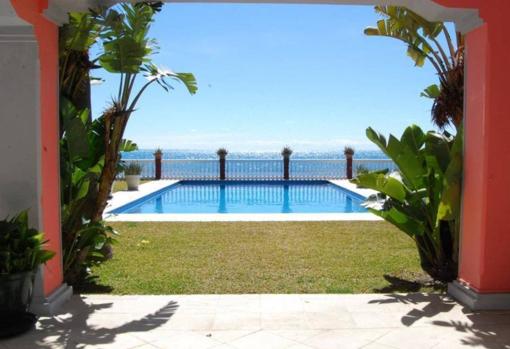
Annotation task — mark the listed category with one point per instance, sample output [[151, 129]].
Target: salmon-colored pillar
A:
[[46, 34], [484, 275]]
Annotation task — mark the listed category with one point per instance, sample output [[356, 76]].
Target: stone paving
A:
[[373, 321]]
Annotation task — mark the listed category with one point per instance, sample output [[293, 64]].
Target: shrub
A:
[[286, 152], [21, 247], [133, 169], [422, 199], [349, 152], [222, 152]]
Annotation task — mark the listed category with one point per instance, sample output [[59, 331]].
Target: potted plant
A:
[[21, 253], [286, 153], [132, 172]]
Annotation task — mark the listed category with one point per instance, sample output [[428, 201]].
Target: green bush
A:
[[133, 168], [423, 198], [21, 248]]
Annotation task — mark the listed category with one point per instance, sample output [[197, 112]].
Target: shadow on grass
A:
[[398, 285], [92, 287], [70, 328]]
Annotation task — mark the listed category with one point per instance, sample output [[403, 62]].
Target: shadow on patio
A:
[[485, 329], [72, 327]]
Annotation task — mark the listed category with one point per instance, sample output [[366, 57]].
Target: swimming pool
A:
[[247, 197]]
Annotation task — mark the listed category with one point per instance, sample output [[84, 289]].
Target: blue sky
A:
[[275, 75]]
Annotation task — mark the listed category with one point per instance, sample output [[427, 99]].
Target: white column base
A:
[[49, 306], [478, 301]]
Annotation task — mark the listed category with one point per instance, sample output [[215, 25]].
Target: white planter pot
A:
[[133, 181]]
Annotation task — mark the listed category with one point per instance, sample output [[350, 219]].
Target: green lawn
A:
[[284, 257]]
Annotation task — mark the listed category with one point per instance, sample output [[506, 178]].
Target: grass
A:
[[283, 257], [121, 185]]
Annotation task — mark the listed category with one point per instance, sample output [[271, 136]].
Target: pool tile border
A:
[[124, 198]]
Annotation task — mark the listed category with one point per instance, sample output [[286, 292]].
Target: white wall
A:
[[19, 121]]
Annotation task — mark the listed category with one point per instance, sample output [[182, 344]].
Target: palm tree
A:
[[423, 39]]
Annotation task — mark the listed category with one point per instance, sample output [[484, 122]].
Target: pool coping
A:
[[125, 197]]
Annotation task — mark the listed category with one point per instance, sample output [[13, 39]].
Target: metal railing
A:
[[317, 169], [254, 169], [320, 169]]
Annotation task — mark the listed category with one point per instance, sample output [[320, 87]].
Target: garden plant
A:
[[90, 148], [423, 197]]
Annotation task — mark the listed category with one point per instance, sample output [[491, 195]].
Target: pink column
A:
[[484, 280], [47, 37], [485, 264]]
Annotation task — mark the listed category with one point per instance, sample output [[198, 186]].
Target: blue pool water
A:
[[248, 197]]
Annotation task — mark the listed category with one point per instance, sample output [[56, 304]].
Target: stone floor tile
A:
[[277, 303], [122, 341], [237, 321], [345, 339], [190, 322], [329, 321], [297, 335], [378, 319], [299, 346], [416, 338], [377, 346], [315, 321], [262, 339], [184, 340], [226, 336], [284, 321]]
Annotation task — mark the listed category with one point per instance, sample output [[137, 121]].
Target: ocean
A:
[[145, 154]]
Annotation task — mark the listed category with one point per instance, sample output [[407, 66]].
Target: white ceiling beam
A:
[[465, 19]]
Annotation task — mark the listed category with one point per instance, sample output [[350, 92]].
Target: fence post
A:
[[222, 154], [286, 164], [158, 155], [286, 153], [349, 153]]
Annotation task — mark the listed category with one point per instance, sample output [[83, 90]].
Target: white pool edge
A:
[[123, 198]]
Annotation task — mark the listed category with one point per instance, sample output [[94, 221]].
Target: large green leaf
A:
[[450, 205], [414, 138], [432, 92], [405, 223], [382, 183], [409, 161], [128, 146], [76, 134], [124, 55]]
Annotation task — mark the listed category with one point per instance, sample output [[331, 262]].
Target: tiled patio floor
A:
[[267, 321]]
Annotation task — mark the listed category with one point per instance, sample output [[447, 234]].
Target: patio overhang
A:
[[466, 19]]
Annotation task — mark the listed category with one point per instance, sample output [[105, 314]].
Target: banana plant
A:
[[90, 148], [432, 42], [422, 198], [127, 51]]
